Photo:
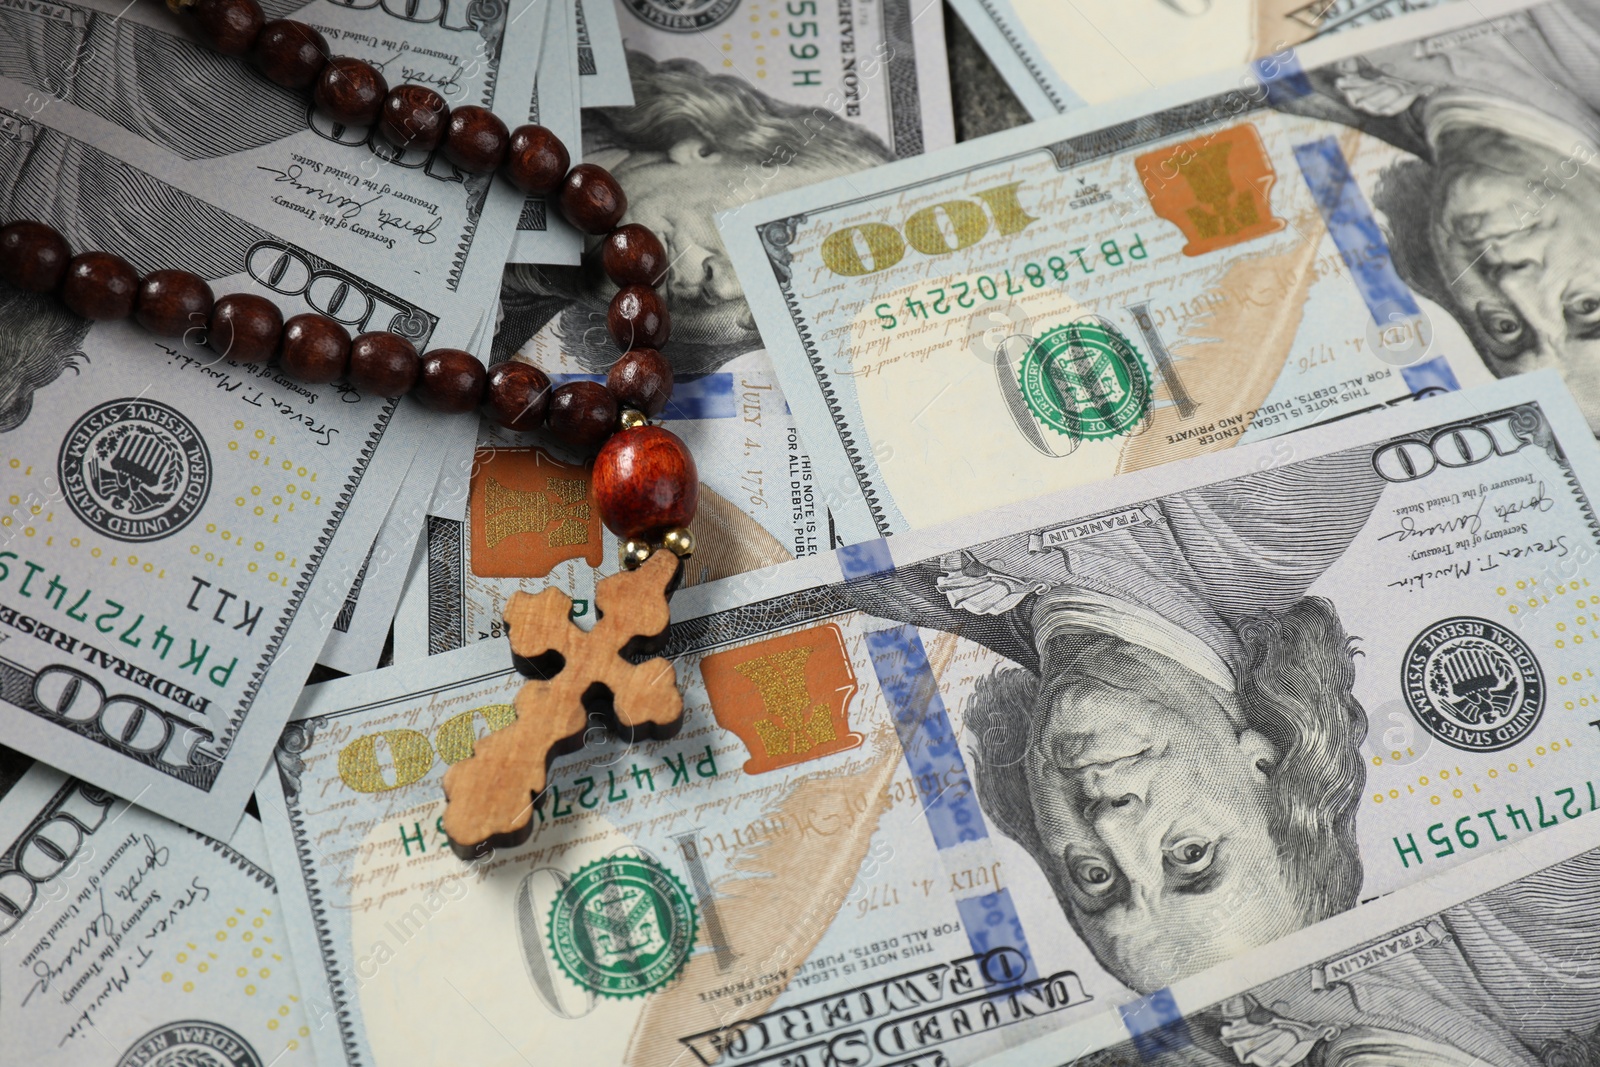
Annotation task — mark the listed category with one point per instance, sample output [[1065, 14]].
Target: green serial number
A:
[[961, 295]]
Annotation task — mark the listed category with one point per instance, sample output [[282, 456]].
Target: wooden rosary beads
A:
[[645, 484]]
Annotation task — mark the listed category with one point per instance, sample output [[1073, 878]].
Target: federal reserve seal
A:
[[682, 16], [1473, 684], [1085, 380], [135, 470], [622, 927], [190, 1044]]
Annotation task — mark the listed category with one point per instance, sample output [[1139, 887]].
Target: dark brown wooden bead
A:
[[351, 91], [231, 26], [476, 140], [451, 380], [536, 160], [414, 116], [33, 256], [290, 53], [517, 396], [314, 348], [633, 255], [99, 285], [172, 302], [384, 364], [642, 380], [637, 318], [591, 199], [245, 328], [582, 414], [645, 483]]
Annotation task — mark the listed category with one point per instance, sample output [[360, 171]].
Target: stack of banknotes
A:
[[1146, 605]]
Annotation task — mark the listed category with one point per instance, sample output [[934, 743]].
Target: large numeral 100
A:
[[433, 163], [48, 849], [1410, 458], [335, 293], [127, 722], [868, 247], [411, 754]]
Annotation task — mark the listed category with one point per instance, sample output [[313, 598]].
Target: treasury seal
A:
[[1085, 379], [682, 16], [134, 470], [622, 927], [1473, 684], [190, 1044]]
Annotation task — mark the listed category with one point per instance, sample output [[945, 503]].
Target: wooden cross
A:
[[490, 796]]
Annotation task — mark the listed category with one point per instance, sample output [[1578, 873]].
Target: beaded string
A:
[[644, 484]]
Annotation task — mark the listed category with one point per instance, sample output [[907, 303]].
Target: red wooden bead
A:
[[33, 256], [642, 380], [99, 285], [245, 328], [582, 414], [451, 381], [414, 116], [517, 396], [591, 199], [231, 25], [172, 302], [350, 91], [638, 318], [290, 53], [384, 364], [476, 140], [645, 483], [536, 160], [633, 255], [314, 348]]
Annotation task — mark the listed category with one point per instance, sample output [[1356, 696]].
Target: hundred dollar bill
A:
[[941, 792], [529, 523], [213, 127], [1057, 57], [179, 531], [602, 67], [1493, 962], [1258, 252], [126, 939]]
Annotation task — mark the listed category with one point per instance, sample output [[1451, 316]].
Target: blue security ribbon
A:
[[1366, 254], [1282, 77], [1155, 1024], [939, 776], [865, 560], [705, 396]]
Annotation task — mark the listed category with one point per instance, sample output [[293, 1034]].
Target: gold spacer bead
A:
[[177, 7], [631, 419], [678, 541], [634, 553]]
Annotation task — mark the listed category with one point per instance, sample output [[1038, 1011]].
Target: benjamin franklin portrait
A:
[[1510, 977], [1492, 213], [1177, 744], [694, 145]]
